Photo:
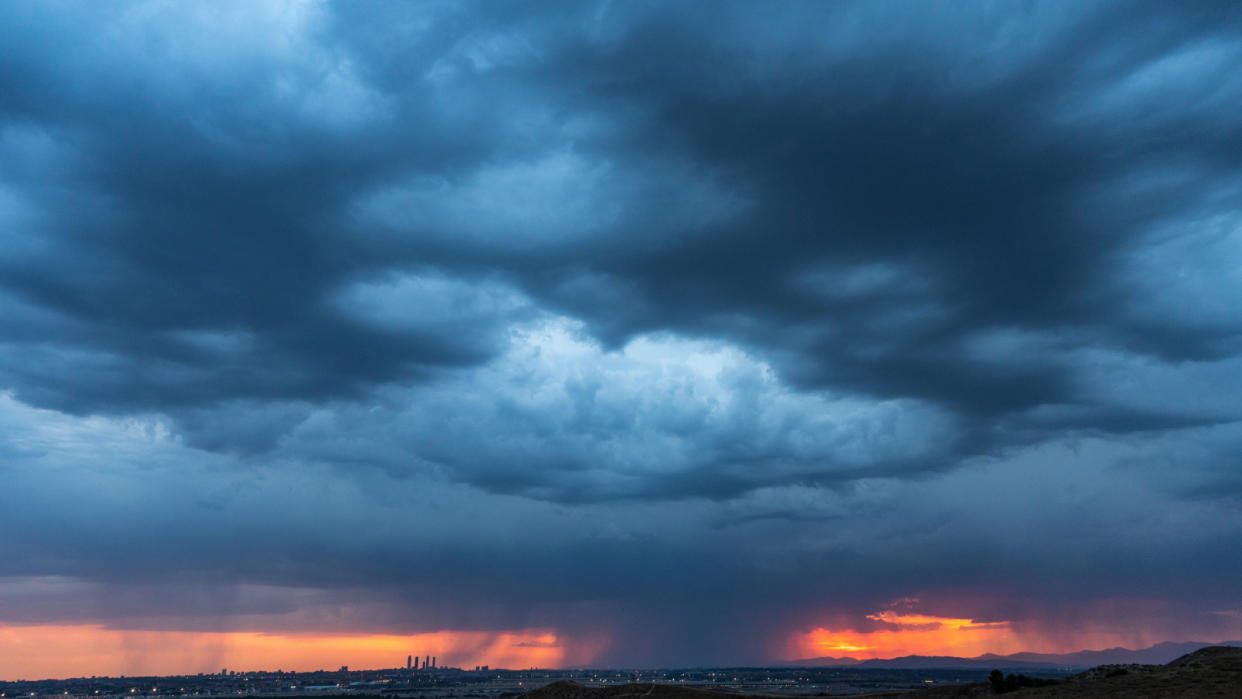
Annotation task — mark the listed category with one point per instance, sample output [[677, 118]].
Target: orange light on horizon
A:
[[845, 647], [910, 634], [939, 622], [36, 652]]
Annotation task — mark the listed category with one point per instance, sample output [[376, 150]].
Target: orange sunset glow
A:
[[909, 634], [32, 652]]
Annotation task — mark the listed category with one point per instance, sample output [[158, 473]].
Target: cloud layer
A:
[[693, 331]]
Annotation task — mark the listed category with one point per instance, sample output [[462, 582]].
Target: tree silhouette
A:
[[997, 678]]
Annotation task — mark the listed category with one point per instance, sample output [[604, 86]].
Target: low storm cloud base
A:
[[617, 334]]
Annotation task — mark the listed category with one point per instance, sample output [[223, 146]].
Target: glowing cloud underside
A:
[[33, 652], [909, 634]]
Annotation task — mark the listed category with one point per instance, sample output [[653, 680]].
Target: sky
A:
[[615, 334]]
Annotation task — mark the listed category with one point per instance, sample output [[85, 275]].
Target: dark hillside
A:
[[567, 689], [1215, 671]]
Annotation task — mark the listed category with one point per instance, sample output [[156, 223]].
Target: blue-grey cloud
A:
[[776, 308]]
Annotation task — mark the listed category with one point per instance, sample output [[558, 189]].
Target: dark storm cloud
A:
[[673, 312], [900, 164], [858, 208], [191, 243], [162, 536]]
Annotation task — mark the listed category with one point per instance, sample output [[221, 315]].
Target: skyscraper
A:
[[408, 659]]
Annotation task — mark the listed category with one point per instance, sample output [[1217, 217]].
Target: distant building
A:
[[408, 659]]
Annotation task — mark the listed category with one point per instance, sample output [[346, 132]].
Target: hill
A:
[[1155, 655], [568, 689], [1215, 671]]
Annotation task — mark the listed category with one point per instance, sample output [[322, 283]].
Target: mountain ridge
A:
[[1157, 654]]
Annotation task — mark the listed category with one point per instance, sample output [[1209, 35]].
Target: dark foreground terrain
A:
[[1210, 672]]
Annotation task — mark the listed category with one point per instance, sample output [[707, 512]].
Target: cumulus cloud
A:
[[558, 417], [788, 313]]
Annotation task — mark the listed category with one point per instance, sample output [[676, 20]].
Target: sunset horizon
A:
[[119, 652], [139, 653], [618, 335]]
